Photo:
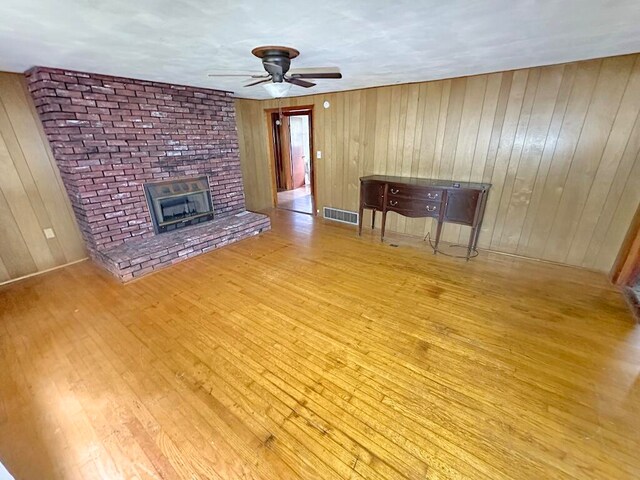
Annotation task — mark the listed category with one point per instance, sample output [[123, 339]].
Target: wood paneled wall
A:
[[559, 144], [32, 197]]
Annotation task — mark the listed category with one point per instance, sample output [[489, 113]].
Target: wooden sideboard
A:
[[447, 201]]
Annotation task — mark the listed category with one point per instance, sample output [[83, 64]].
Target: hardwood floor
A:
[[308, 352], [298, 200]]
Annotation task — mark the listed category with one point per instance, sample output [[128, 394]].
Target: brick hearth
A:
[[111, 135], [135, 259]]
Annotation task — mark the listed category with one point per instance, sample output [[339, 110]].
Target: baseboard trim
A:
[[541, 260], [34, 274], [416, 239]]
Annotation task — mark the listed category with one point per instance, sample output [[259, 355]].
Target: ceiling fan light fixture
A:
[[277, 90]]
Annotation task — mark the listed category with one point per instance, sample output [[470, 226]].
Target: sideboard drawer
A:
[[431, 194], [412, 207]]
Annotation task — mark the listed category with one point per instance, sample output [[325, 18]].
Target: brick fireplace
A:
[[110, 136]]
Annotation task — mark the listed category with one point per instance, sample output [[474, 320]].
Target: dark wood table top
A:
[[427, 182]]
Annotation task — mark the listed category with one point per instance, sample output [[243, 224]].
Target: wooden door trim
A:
[[285, 146], [627, 264], [312, 162], [275, 138], [301, 109], [272, 159]]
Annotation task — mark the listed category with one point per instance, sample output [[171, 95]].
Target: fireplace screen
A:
[[178, 203]]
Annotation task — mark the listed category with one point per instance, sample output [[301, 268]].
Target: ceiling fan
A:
[[278, 79]]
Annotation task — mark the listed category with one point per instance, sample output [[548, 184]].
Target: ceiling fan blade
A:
[[236, 75], [299, 82], [316, 75], [262, 80]]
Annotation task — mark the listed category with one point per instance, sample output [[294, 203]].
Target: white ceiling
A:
[[374, 42]]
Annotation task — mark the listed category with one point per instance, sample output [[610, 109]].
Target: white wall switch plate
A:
[[318, 154], [49, 233]]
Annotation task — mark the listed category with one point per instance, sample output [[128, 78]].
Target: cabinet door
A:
[[372, 194], [461, 206]]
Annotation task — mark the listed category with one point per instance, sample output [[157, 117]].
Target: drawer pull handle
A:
[[393, 203], [394, 191], [432, 195], [431, 209]]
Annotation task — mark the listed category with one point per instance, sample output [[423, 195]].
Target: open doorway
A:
[[293, 163]]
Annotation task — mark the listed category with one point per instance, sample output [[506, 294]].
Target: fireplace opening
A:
[[178, 203]]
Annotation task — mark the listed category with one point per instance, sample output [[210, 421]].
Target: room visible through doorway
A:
[[292, 147]]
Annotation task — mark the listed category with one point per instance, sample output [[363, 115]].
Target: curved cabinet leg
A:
[[477, 236], [384, 221], [438, 232], [472, 238]]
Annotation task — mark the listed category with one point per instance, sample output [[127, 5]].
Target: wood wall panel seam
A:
[[37, 197], [19, 206], [25, 171], [16, 256], [625, 140], [617, 157]]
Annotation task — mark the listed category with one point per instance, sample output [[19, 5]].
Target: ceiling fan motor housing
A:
[[276, 60]]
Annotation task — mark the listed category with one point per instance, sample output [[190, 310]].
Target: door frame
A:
[[279, 167], [282, 138], [303, 109], [627, 264]]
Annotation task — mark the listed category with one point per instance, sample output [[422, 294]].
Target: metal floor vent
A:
[[344, 216]]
